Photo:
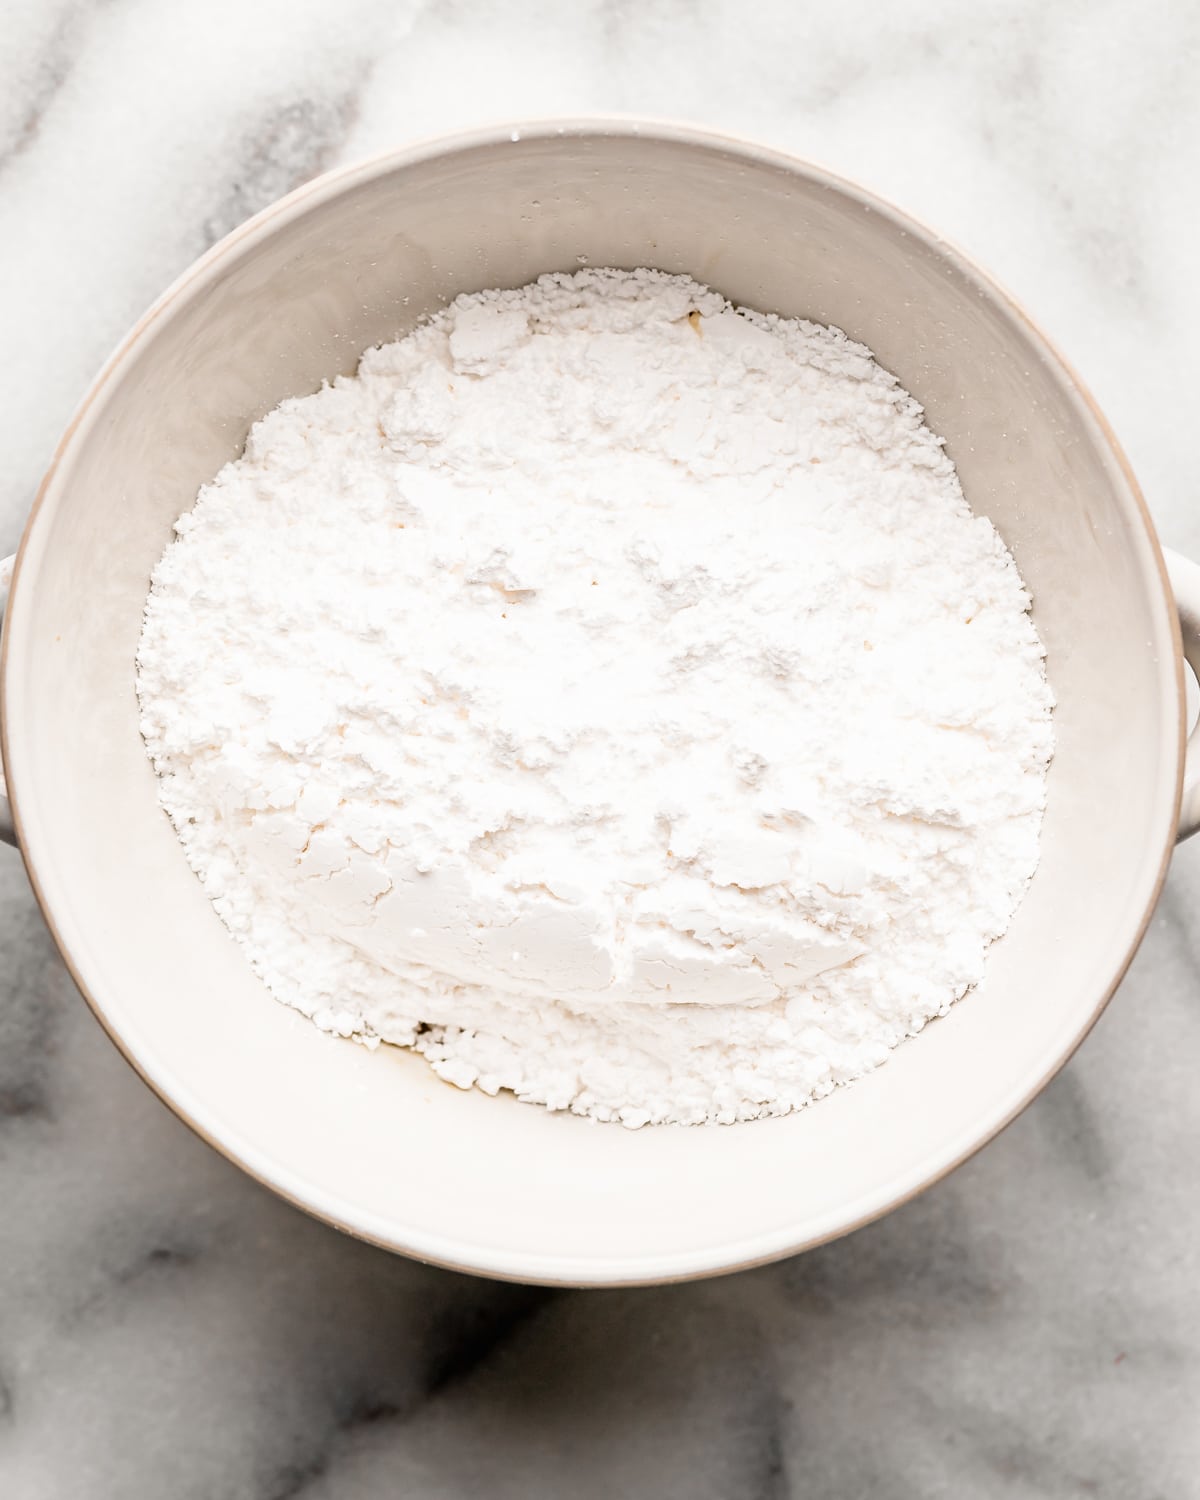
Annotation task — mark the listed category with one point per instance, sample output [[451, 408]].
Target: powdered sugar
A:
[[609, 694]]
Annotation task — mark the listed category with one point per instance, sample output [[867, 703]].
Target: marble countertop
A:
[[1029, 1327]]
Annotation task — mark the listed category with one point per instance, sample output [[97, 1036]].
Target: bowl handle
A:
[[1185, 582], [7, 832]]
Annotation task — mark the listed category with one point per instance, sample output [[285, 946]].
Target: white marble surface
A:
[[1029, 1327]]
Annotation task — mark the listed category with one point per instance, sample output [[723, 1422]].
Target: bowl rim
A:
[[751, 1251]]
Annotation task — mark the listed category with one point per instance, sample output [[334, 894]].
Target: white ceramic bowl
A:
[[372, 1141]]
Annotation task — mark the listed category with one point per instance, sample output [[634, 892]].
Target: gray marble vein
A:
[[283, 148], [1031, 1326], [47, 45]]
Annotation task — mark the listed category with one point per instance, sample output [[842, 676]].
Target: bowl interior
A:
[[374, 1141]]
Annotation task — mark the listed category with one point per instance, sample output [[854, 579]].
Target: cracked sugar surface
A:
[[608, 693]]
